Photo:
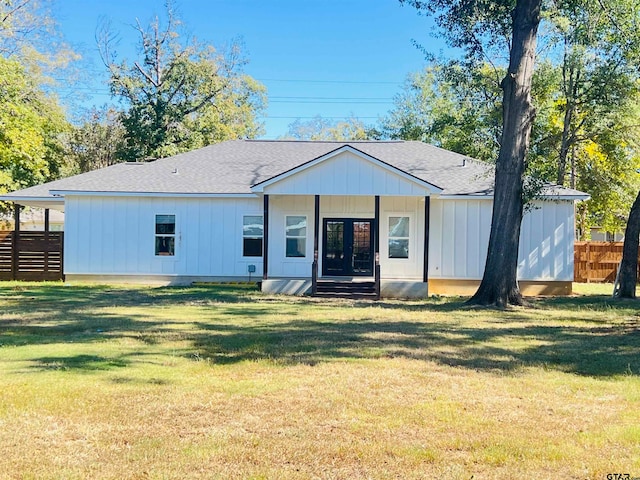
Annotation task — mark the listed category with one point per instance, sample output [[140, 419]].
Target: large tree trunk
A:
[[628, 276], [499, 285]]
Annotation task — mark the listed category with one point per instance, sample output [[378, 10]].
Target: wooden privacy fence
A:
[[597, 261], [34, 256]]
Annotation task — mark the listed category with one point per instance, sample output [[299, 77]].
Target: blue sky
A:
[[316, 57]]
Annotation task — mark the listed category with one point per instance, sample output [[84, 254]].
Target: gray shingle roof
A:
[[232, 167]]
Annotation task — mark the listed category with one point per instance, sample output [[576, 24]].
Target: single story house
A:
[[412, 217]]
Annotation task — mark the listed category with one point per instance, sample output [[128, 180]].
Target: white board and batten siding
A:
[[410, 268], [347, 174], [546, 242], [459, 239], [339, 206], [116, 236], [279, 208]]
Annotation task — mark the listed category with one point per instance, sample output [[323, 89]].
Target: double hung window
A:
[[398, 237], [252, 233], [165, 235], [296, 236]]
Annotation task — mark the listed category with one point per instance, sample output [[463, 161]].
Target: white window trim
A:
[[176, 238], [242, 237], [412, 237], [306, 237]]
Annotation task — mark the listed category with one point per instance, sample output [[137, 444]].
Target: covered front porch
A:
[[346, 246], [365, 220], [346, 218]]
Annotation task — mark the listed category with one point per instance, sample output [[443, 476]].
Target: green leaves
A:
[[31, 120], [481, 28], [319, 128], [96, 143], [30, 126], [586, 91], [450, 106], [180, 95]]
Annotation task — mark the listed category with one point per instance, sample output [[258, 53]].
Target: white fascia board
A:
[[82, 193], [568, 198], [37, 202], [574, 198], [465, 197], [545, 198], [18, 199], [259, 187]]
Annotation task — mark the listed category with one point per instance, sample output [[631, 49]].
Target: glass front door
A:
[[347, 247]]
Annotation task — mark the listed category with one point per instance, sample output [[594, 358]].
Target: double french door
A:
[[347, 247]]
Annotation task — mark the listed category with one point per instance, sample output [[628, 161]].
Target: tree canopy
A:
[[459, 109], [449, 106], [31, 119], [96, 142], [586, 93], [180, 95], [30, 124], [28, 31], [319, 128], [585, 120]]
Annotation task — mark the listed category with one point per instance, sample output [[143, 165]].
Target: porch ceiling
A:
[[53, 203]]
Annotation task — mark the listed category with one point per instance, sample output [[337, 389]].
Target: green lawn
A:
[[225, 382]]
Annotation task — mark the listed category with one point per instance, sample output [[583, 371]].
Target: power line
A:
[[315, 97], [272, 100], [356, 82], [276, 98], [349, 102], [357, 117], [283, 80]]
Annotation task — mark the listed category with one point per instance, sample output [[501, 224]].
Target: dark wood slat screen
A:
[[6, 249], [39, 256]]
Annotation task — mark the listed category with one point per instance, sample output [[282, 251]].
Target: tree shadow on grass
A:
[[62, 296], [86, 363], [602, 351], [52, 313], [588, 302], [509, 342], [80, 328]]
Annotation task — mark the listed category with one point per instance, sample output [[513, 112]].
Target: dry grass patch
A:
[[224, 382]]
